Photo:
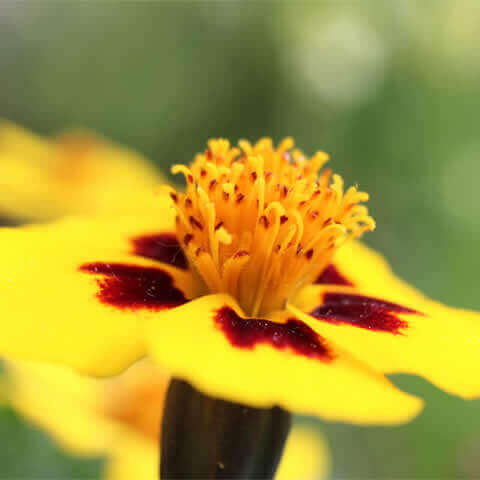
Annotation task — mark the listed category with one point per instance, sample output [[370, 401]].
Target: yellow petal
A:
[[133, 457], [439, 343], [61, 402], [209, 343], [368, 271], [306, 456], [77, 172], [135, 400], [79, 291]]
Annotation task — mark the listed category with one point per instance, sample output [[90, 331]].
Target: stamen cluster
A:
[[259, 222]]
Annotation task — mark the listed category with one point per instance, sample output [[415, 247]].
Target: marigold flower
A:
[[252, 288], [119, 418], [75, 172]]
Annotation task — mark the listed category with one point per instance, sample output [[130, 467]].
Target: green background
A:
[[390, 88]]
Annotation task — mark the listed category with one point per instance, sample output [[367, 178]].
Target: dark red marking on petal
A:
[[293, 335], [133, 287], [363, 312], [331, 276], [163, 247]]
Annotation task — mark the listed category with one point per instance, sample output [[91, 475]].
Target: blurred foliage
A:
[[27, 453], [390, 89]]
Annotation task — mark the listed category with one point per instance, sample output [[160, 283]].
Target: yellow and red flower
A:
[[250, 285]]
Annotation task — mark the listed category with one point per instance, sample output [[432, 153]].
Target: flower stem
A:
[[208, 438]]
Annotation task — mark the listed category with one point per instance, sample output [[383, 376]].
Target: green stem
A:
[[208, 438]]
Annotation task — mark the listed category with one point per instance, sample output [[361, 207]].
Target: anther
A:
[[218, 225], [195, 223], [187, 239], [264, 221], [283, 219]]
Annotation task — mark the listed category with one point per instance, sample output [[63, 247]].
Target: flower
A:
[[75, 172], [252, 288], [120, 417]]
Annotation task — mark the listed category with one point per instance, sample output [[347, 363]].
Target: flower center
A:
[[260, 222]]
